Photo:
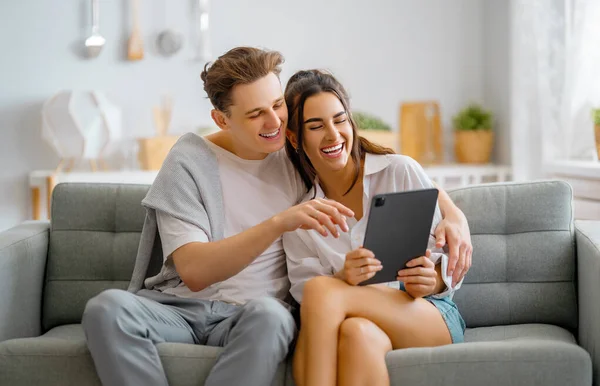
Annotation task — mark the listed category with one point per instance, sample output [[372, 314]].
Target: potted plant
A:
[[596, 117], [375, 130], [473, 134]]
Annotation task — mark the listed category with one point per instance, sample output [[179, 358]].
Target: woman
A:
[[346, 330]]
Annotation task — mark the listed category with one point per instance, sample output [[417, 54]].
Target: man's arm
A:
[[202, 264], [454, 231]]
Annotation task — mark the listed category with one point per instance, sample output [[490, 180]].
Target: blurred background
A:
[[523, 74]]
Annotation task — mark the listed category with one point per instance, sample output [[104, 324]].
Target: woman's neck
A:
[[335, 184]]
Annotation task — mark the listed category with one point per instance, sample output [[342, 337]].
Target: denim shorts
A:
[[450, 314]]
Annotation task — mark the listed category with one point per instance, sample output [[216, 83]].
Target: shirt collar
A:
[[374, 163]]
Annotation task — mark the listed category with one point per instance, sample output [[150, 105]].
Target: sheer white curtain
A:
[[555, 81], [582, 78]]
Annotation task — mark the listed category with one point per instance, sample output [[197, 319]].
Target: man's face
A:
[[258, 118]]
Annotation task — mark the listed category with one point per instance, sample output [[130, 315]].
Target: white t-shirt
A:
[[309, 254], [253, 191]]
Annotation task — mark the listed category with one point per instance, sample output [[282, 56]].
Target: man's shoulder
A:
[[190, 151]]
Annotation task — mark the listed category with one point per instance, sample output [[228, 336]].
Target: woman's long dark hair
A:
[[301, 86]]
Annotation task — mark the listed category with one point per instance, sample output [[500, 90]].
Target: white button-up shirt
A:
[[309, 254]]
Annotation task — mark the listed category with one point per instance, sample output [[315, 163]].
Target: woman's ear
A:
[[219, 118], [292, 138]]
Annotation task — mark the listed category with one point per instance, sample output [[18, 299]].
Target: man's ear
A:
[[219, 118], [292, 138]]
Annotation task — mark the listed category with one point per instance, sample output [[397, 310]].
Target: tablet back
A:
[[398, 229]]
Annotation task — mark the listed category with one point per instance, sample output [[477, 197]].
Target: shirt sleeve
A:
[[175, 233], [439, 257], [302, 263], [415, 176]]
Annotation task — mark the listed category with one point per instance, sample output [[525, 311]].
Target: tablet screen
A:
[[398, 229]]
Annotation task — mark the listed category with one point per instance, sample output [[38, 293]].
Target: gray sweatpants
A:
[[122, 330]]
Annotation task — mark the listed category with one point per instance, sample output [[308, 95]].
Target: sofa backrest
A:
[[523, 268], [523, 260], [94, 237]]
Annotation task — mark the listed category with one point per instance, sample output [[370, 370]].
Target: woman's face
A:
[[327, 132]]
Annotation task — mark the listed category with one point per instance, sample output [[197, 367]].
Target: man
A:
[[220, 206]]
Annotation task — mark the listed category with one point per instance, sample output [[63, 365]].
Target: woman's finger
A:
[[417, 271], [417, 280], [359, 254], [362, 262], [363, 277], [367, 269], [421, 260]]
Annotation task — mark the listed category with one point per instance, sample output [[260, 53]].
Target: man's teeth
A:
[[333, 149], [270, 135]]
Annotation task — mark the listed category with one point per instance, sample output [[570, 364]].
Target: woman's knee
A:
[[362, 333], [321, 293]]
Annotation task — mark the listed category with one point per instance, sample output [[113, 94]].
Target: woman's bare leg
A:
[[299, 358], [327, 302], [361, 354]]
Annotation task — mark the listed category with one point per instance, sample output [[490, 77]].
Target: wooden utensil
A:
[[135, 48]]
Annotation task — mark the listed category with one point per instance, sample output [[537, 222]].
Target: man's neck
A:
[[225, 140]]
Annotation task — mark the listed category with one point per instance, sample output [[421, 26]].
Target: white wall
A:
[[384, 52], [496, 68]]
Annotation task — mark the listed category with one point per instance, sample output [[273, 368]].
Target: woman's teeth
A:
[[333, 149], [270, 135]]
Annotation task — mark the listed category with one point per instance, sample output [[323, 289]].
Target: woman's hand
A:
[[421, 280], [454, 231], [360, 265], [318, 214]]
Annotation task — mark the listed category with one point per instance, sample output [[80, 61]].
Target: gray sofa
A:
[[531, 299]]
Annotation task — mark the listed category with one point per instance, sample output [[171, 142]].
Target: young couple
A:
[[229, 207]]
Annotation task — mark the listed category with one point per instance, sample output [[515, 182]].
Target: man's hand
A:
[[420, 278], [319, 214], [454, 231]]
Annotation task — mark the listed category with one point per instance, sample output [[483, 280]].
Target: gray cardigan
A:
[[187, 187]]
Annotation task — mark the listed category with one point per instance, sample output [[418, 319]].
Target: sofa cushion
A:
[[523, 255], [93, 244], [530, 354], [61, 358]]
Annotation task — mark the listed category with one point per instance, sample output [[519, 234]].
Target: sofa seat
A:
[[521, 354], [500, 355], [61, 357]]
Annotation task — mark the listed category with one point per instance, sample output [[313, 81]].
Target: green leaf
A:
[[596, 116], [473, 117], [366, 121]]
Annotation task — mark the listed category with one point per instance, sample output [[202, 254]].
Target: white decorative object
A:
[[80, 125]]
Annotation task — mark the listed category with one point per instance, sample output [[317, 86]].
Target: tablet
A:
[[398, 230]]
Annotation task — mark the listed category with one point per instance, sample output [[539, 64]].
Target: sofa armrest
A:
[[23, 253], [587, 236]]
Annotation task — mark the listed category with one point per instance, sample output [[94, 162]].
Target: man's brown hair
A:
[[240, 65]]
